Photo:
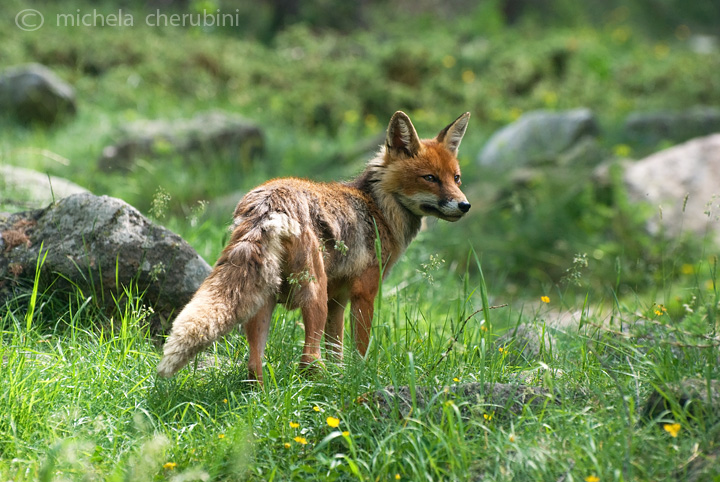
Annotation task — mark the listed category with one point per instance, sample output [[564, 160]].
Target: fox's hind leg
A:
[[335, 325], [256, 332], [312, 298]]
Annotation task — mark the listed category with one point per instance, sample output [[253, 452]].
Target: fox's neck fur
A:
[[402, 223]]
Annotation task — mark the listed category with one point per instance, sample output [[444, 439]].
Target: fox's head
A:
[[424, 174]]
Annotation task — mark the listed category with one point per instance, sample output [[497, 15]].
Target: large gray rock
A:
[[216, 136], [538, 137], [683, 183], [27, 189], [101, 244], [650, 128], [33, 94]]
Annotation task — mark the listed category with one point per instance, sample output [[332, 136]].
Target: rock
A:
[[92, 242], [692, 394], [496, 399], [33, 94], [538, 137], [683, 182], [530, 340], [650, 128], [27, 189], [213, 135]]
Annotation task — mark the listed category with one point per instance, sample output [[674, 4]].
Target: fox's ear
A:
[[451, 136], [401, 136]]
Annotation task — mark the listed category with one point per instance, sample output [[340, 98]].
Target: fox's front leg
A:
[[362, 304]]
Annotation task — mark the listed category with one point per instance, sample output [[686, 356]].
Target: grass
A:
[[79, 399]]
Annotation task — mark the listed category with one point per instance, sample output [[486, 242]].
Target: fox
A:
[[317, 246]]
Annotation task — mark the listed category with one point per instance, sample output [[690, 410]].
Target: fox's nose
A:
[[464, 206]]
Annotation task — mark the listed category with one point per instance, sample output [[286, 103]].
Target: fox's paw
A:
[[311, 367]]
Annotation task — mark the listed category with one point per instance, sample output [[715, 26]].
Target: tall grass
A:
[[80, 401]]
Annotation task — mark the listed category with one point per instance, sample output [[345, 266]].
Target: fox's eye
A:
[[457, 179], [430, 178]]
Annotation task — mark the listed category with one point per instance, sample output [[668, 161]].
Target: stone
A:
[[33, 94], [681, 183], [539, 137], [493, 399], [101, 245], [695, 395], [214, 136], [651, 128], [22, 188]]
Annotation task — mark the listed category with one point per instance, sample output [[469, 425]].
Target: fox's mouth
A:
[[434, 211]]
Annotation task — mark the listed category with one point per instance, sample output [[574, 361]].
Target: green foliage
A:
[[207, 424]]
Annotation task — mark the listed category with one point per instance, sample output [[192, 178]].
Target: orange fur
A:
[[311, 246]]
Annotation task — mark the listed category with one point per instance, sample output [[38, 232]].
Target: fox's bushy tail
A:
[[247, 274]]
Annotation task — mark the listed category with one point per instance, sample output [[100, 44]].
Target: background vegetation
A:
[[322, 78]]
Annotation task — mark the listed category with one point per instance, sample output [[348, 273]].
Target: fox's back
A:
[[339, 217]]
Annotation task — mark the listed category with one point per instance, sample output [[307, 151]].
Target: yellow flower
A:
[[456, 379], [661, 51], [351, 116], [286, 445], [397, 476], [371, 122], [346, 433], [501, 349], [170, 465], [658, 312], [545, 299], [316, 408], [294, 425], [222, 435], [333, 422], [621, 34], [672, 428], [550, 98], [592, 478], [487, 417], [224, 400], [468, 76], [448, 61], [687, 269], [511, 438], [300, 440], [515, 113], [622, 150]]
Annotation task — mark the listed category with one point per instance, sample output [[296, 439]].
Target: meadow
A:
[[79, 398]]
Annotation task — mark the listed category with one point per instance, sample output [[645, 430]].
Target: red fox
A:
[[312, 246]]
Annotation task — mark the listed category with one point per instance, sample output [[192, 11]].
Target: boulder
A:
[[683, 182], [33, 94], [650, 128], [214, 136], [101, 245], [540, 137], [27, 189]]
